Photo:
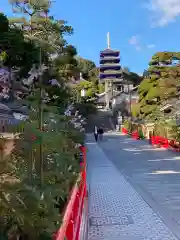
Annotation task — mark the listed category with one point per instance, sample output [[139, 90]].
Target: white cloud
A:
[[164, 11], [138, 48], [151, 46], [134, 40]]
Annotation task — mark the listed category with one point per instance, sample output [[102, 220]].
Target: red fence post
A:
[[155, 140], [152, 140], [166, 145]]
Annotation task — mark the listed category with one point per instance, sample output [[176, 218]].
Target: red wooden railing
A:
[[70, 228]]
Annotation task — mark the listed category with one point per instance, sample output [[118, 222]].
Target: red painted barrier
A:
[[161, 141], [152, 140], [124, 130], [165, 143], [135, 135], [157, 140], [70, 228]]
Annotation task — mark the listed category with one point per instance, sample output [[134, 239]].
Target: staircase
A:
[[102, 119]]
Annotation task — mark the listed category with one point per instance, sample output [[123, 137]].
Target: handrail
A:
[[67, 216], [70, 228]]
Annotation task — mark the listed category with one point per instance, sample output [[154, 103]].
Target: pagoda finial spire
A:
[[108, 40]]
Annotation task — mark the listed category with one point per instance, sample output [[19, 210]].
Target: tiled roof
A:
[[109, 51], [4, 108]]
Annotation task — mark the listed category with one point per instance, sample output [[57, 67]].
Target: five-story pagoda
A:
[[110, 70]]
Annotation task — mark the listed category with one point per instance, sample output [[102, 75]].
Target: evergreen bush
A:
[[29, 209]]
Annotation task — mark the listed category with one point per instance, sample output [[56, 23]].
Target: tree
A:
[[47, 35], [30, 187], [66, 63], [18, 54], [4, 23], [160, 84], [27, 208], [131, 77], [88, 86], [85, 66], [135, 79], [46, 32]]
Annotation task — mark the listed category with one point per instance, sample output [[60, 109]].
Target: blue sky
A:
[[138, 28]]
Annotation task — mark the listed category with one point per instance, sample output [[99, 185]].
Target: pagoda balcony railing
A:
[[107, 68], [109, 58], [113, 61], [110, 72], [113, 80], [107, 75], [109, 64], [110, 77]]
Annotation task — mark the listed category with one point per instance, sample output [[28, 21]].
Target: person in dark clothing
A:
[[100, 132], [150, 137], [96, 133]]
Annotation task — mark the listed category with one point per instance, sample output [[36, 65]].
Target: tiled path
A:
[[116, 210]]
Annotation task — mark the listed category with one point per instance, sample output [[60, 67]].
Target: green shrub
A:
[[31, 207], [160, 129], [86, 109], [128, 125]]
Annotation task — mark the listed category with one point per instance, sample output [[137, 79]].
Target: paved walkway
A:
[[116, 210], [153, 172]]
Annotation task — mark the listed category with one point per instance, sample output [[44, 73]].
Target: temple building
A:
[[110, 71]]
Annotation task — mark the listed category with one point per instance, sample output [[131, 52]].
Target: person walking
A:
[[95, 133], [101, 131]]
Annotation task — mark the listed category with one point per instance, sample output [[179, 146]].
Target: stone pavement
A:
[[154, 173], [116, 210]]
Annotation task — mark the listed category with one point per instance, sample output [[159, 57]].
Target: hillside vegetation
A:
[[161, 83]]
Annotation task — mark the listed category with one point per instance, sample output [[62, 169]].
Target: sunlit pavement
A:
[[117, 210], [153, 172]]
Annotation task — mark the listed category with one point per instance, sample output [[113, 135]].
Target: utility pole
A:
[[126, 74], [107, 81], [130, 100], [107, 93]]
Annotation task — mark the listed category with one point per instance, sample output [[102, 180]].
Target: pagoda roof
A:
[[108, 50], [13, 107], [4, 108]]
